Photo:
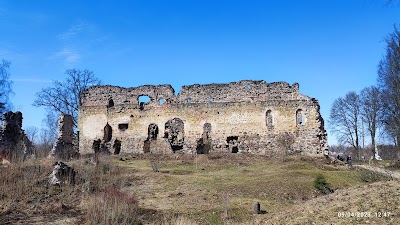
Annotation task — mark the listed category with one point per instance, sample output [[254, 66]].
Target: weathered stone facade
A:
[[244, 117], [63, 147], [14, 145]]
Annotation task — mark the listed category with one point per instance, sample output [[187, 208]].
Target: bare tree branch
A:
[[345, 119], [64, 97], [389, 83]]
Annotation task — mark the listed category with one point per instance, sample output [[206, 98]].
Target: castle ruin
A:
[[63, 147], [14, 144], [238, 117]]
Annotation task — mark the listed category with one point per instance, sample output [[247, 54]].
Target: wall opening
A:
[[107, 133], [211, 99], [268, 119], [122, 126], [146, 146], [248, 86], [232, 143], [188, 100], [204, 144], [161, 101], [110, 103], [96, 146], [117, 147], [143, 99], [299, 118], [152, 132], [174, 132]]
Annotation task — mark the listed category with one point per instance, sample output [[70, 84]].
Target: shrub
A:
[[113, 206], [322, 185]]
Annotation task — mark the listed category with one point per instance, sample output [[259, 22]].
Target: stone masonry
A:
[[239, 117], [63, 147], [14, 145]]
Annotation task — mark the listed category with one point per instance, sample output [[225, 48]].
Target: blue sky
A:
[[330, 47]]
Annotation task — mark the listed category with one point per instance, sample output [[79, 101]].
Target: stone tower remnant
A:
[[14, 145], [239, 117], [63, 147]]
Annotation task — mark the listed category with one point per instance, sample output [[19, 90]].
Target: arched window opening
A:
[[299, 118], [233, 144], [107, 133], [161, 101], [110, 103], [269, 119], [174, 132]]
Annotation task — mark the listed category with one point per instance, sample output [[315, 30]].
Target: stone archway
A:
[[233, 144], [175, 133], [107, 133]]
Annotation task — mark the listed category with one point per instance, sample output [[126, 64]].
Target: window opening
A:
[[107, 133], [233, 143], [299, 118], [174, 132], [144, 99], [117, 147], [269, 119], [110, 103], [122, 126]]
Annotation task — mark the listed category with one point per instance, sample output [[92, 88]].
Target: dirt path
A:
[[393, 174]]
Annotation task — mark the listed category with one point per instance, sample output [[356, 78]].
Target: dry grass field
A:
[[202, 189]]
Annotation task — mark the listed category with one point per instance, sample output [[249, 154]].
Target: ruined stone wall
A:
[[63, 147], [242, 91], [245, 117], [14, 145]]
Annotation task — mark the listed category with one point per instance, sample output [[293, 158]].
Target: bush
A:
[[113, 206], [322, 185]]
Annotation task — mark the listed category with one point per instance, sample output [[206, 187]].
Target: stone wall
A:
[[14, 145], [63, 147], [244, 117]]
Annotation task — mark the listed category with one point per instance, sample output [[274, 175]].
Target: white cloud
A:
[[75, 29], [67, 54], [71, 40]]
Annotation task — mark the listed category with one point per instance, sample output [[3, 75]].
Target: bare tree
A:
[[32, 134], [5, 86], [393, 2], [371, 108], [64, 97], [47, 135], [50, 124], [345, 118], [389, 83]]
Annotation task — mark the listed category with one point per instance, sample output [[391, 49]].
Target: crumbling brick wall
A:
[[244, 117], [14, 145]]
